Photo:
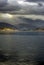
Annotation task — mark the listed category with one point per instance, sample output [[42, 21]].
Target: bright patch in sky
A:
[[20, 2], [7, 15], [26, 3]]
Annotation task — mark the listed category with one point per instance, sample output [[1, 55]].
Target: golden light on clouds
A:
[[8, 30]]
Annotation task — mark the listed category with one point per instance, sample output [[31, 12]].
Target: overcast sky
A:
[[33, 9], [11, 11], [22, 6]]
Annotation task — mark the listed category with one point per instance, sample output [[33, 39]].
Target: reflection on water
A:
[[23, 47]]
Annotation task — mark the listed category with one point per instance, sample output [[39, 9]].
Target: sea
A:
[[25, 44]]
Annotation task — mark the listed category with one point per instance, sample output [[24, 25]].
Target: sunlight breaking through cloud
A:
[[7, 15]]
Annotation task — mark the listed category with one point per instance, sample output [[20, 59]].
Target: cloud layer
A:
[[3, 3], [35, 0], [22, 23], [22, 7]]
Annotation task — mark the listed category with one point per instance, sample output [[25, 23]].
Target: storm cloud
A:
[[22, 7], [34, 0], [22, 23], [3, 3]]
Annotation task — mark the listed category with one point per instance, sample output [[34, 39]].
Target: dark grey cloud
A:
[[34, 0], [9, 8], [5, 6], [16, 8], [31, 10], [30, 24], [22, 23], [3, 3], [25, 22]]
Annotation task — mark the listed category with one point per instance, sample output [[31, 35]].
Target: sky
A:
[[12, 9], [22, 6]]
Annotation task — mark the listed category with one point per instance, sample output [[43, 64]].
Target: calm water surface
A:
[[32, 45]]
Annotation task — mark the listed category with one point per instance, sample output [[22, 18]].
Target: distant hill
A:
[[6, 25], [31, 24], [25, 27], [25, 24]]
